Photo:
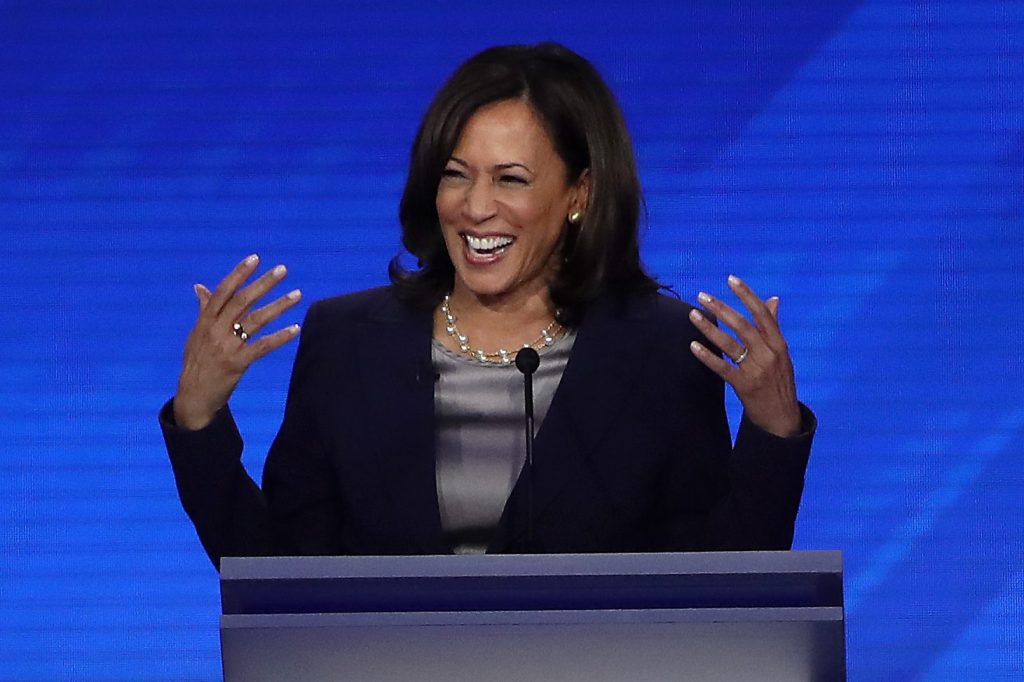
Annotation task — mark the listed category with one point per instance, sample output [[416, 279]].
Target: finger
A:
[[726, 343], [229, 285], [236, 308], [203, 294], [266, 344], [716, 364], [261, 317], [773, 306], [727, 315], [763, 317]]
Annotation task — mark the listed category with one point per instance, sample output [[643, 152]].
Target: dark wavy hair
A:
[[586, 126]]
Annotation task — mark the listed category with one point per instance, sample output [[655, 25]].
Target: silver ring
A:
[[742, 357], [238, 330]]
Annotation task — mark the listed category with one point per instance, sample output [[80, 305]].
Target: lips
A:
[[485, 249]]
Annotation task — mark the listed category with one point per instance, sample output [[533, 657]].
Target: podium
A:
[[703, 616]]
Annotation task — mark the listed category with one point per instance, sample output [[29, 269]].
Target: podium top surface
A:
[[497, 565], [534, 582]]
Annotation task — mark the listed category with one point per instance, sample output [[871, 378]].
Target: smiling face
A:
[[503, 201]]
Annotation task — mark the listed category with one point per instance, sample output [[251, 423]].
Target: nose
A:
[[478, 204]]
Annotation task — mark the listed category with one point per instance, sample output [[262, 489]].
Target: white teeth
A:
[[487, 243]]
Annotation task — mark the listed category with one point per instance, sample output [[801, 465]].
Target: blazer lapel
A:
[[611, 344], [397, 380]]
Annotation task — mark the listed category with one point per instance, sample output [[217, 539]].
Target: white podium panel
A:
[[717, 616]]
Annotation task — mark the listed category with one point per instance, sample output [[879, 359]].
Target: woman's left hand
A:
[[761, 371]]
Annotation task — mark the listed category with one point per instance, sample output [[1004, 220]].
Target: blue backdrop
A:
[[862, 159]]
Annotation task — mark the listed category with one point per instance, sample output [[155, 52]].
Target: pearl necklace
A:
[[502, 356]]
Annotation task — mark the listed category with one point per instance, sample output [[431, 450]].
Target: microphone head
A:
[[527, 360]]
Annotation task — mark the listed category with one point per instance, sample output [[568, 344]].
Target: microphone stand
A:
[[527, 361]]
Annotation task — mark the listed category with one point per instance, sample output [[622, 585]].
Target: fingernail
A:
[[703, 298], [733, 279], [695, 315], [294, 329], [195, 288], [279, 270], [696, 347], [293, 295], [251, 259]]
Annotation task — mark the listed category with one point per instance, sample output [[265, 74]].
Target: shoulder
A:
[[673, 314], [342, 334], [366, 306], [665, 314], [674, 330], [658, 323], [331, 323]]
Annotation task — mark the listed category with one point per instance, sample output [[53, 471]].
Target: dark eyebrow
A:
[[513, 164], [500, 166]]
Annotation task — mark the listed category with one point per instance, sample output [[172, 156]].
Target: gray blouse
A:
[[480, 438]]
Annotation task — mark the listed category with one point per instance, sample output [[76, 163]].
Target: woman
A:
[[403, 427]]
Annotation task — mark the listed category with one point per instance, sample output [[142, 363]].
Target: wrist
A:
[[785, 425], [189, 418]]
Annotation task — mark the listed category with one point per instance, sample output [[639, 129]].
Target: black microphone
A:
[[527, 362]]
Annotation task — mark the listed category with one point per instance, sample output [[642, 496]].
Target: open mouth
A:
[[487, 246]]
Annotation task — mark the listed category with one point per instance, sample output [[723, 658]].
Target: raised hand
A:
[[222, 344], [761, 371]]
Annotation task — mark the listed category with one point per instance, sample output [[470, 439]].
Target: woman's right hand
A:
[[216, 356]]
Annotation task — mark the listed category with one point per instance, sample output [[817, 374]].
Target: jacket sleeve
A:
[[742, 496], [766, 482], [294, 513]]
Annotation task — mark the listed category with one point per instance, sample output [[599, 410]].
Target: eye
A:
[[452, 173], [510, 179]]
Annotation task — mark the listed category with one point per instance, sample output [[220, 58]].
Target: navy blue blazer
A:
[[634, 454]]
